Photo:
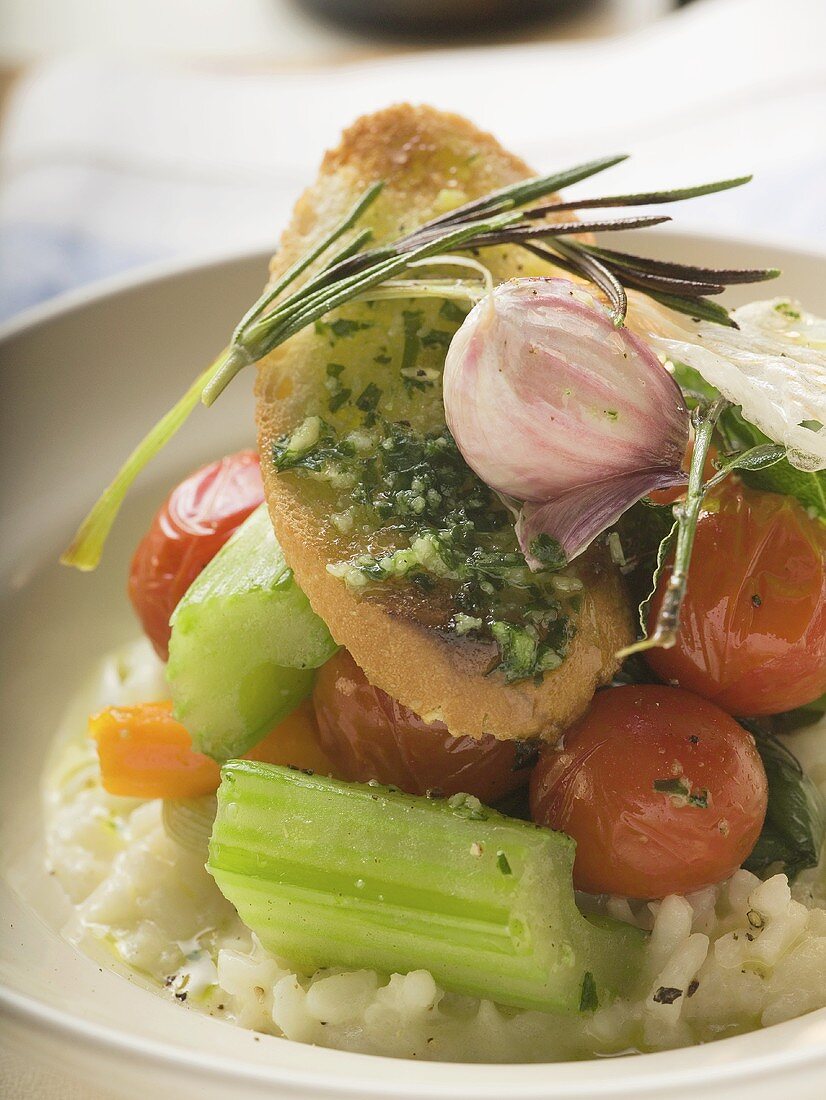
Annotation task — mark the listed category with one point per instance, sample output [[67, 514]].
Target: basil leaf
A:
[[795, 825], [641, 530], [809, 489], [737, 434], [663, 550], [694, 386], [645, 532], [780, 477]]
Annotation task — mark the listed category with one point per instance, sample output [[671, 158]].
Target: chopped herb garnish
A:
[[339, 328], [369, 398], [339, 399], [339, 393], [680, 790], [502, 863], [667, 995], [422, 580], [451, 312], [786, 309], [343, 327], [412, 323], [437, 338], [549, 551], [588, 999]]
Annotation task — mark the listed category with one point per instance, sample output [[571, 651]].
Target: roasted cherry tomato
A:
[[753, 625], [663, 792], [196, 520], [368, 736]]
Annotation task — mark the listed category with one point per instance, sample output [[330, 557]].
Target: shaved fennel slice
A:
[[773, 366]]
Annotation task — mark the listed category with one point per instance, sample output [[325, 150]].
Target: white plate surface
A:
[[79, 383]]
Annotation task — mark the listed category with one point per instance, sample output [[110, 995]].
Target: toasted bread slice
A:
[[399, 634]]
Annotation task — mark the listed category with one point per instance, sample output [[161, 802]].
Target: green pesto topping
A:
[[786, 309], [339, 393], [457, 539], [437, 338], [367, 402], [336, 330], [412, 319], [679, 790], [451, 312], [549, 551]]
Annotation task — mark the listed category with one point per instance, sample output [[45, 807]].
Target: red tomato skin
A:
[[368, 735], [636, 841], [189, 529], [753, 625]]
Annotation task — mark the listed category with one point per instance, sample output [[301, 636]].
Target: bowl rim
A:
[[168, 269], [674, 1070], [314, 1083]]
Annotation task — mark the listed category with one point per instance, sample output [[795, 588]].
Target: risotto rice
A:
[[744, 954]]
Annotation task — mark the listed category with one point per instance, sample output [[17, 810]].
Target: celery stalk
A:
[[244, 639], [328, 873]]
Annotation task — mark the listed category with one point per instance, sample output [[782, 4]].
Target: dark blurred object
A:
[[423, 17]]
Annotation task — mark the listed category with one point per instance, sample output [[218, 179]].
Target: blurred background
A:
[[140, 131]]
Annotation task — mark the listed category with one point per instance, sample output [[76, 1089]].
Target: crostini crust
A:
[[416, 150]]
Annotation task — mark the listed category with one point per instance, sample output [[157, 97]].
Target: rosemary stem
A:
[[301, 265], [686, 515], [302, 309], [233, 362], [338, 294], [86, 547], [689, 513], [526, 191]]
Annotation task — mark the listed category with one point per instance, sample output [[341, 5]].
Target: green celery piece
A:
[[244, 644], [328, 873]]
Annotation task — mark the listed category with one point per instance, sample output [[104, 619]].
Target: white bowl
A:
[[81, 380]]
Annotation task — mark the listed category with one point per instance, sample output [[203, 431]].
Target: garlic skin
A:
[[553, 406]]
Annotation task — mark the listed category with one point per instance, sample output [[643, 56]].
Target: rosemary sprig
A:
[[686, 515], [641, 198], [503, 217]]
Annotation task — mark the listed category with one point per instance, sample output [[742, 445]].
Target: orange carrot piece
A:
[[145, 753], [294, 743]]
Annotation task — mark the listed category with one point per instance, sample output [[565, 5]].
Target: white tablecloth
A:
[[105, 165]]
